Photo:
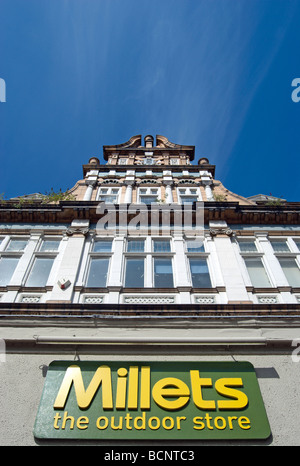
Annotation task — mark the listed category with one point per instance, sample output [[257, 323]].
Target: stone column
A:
[[128, 193], [70, 261], [91, 183], [230, 269]]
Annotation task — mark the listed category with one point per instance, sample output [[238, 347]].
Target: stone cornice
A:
[[231, 212]]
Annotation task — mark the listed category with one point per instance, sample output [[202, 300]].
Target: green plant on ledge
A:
[[47, 198], [52, 196], [220, 197]]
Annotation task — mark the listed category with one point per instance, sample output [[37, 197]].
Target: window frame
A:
[[35, 257], [148, 194], [109, 194], [187, 193], [98, 255]]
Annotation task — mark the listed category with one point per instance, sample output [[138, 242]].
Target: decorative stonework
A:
[[93, 299], [205, 299], [221, 231], [149, 300], [267, 299], [30, 298], [77, 231]]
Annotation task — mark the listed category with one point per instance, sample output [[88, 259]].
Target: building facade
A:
[[150, 258]]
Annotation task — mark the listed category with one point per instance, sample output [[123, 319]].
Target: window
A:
[[174, 161], [247, 246], [99, 263], [188, 195], [160, 245], [136, 245], [122, 161], [199, 273], [102, 246], [134, 277], [194, 246], [40, 271], [7, 268], [257, 273], [297, 241], [109, 195], [98, 270], [163, 273], [280, 246], [148, 195], [16, 245], [50, 245], [291, 271]]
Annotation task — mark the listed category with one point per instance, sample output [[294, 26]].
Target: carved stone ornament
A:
[[77, 231], [221, 231]]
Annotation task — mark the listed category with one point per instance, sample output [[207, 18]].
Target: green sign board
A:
[[151, 400]]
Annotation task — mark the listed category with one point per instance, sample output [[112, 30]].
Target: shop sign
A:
[[151, 400]]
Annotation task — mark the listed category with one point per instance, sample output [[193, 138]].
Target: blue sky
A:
[[216, 74]]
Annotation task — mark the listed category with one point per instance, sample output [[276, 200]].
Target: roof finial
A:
[[148, 141]]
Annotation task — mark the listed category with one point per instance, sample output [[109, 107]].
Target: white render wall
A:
[[22, 383]]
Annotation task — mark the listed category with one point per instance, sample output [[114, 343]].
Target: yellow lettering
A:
[[119, 426], [98, 422], [223, 422], [199, 424], [157, 423], [84, 397], [133, 383], [244, 423], [143, 424], [178, 420], [145, 388], [197, 383], [121, 389], [67, 418], [170, 420], [171, 387], [82, 422], [239, 399]]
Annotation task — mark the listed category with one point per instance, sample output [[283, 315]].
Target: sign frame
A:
[[151, 400]]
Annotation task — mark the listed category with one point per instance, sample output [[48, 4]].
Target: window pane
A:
[[40, 271], [7, 268], [16, 245], [200, 273], [257, 273], [134, 273], [248, 246], [163, 274], [109, 199], [50, 245], [148, 199], [161, 246], [291, 271], [189, 199], [102, 246], [135, 245], [280, 246], [297, 244], [98, 272], [194, 246]]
